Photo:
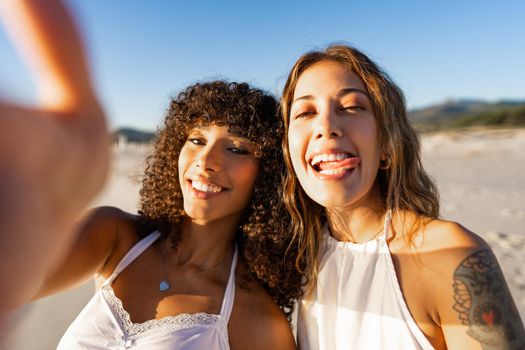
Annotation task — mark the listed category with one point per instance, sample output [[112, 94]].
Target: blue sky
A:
[[143, 52]]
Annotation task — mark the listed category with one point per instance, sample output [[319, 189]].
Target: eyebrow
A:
[[233, 137], [341, 93]]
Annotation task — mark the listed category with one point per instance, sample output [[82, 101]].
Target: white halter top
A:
[[104, 324], [357, 303]]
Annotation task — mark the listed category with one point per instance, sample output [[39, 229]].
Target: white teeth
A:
[[332, 171], [205, 187], [328, 158]]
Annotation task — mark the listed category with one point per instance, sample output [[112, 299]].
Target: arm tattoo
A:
[[485, 305]]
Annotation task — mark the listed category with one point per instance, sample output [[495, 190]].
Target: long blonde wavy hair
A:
[[404, 186]]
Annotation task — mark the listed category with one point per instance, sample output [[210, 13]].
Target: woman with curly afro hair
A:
[[205, 264]]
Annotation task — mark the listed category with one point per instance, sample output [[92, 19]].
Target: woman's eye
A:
[[237, 150], [196, 140], [353, 108], [303, 115]]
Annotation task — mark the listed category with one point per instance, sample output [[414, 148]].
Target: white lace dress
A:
[[105, 324]]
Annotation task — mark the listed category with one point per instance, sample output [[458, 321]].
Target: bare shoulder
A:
[[441, 235], [108, 224], [118, 230], [257, 322], [437, 248], [105, 220], [104, 234], [474, 303], [110, 213]]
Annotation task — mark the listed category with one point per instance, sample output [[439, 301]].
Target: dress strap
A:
[[133, 253], [229, 293], [388, 224]]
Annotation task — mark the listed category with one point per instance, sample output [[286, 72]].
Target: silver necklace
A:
[[165, 284]]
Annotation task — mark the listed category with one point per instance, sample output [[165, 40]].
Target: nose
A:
[[210, 159], [328, 124]]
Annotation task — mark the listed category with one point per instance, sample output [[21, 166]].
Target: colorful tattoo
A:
[[485, 305]]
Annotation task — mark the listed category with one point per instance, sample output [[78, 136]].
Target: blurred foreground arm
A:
[[53, 157]]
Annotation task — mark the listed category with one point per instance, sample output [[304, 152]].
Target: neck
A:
[[356, 223], [205, 244]]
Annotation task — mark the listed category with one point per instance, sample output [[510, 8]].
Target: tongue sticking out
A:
[[347, 163]]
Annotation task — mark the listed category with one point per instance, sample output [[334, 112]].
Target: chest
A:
[[417, 287], [141, 297], [367, 287]]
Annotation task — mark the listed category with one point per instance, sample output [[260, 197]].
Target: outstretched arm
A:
[[54, 156]]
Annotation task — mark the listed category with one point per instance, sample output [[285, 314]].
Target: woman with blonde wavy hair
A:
[[384, 271]]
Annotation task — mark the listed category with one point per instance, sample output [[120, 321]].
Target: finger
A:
[[47, 40]]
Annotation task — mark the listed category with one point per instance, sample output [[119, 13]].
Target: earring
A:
[[384, 164]]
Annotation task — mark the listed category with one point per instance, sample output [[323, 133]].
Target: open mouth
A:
[[334, 164], [206, 187]]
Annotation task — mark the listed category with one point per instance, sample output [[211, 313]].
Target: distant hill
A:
[[133, 135], [468, 113], [449, 114]]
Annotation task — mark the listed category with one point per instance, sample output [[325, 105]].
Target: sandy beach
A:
[[480, 175]]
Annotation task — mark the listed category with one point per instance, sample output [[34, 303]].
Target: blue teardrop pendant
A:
[[164, 285]]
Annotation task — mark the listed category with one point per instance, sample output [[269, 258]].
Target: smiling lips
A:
[[204, 190], [334, 166], [205, 187]]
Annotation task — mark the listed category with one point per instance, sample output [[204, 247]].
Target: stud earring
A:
[[384, 164]]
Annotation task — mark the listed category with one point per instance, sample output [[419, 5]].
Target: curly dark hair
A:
[[263, 235]]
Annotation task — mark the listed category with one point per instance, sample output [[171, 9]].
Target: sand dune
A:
[[480, 175]]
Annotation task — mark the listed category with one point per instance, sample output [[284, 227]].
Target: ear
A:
[[384, 162]]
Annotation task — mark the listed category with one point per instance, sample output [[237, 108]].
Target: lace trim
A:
[[168, 323]]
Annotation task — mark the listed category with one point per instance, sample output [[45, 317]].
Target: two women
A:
[[385, 272]]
